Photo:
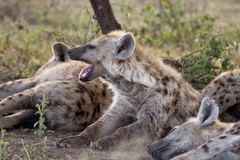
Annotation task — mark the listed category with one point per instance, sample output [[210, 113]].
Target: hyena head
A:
[[60, 55], [190, 134], [102, 54]]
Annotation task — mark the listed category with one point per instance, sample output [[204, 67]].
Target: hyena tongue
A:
[[85, 71]]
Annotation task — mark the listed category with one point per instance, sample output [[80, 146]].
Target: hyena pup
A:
[[152, 95], [72, 104], [219, 137]]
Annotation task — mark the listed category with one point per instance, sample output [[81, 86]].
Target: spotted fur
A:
[[225, 90]]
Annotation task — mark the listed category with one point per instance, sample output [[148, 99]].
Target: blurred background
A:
[[202, 36]]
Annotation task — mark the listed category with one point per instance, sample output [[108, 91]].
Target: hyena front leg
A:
[[123, 134], [16, 86], [144, 127], [18, 101], [106, 125]]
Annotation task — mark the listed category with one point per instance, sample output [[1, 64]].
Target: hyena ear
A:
[[59, 51], [208, 112], [125, 46]]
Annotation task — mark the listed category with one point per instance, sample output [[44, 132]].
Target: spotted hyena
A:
[[155, 96], [196, 132], [152, 97], [72, 104]]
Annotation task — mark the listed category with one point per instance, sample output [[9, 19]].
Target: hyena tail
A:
[[16, 86], [22, 119]]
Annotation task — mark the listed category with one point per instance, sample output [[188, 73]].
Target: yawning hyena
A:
[[72, 104], [153, 95], [197, 131]]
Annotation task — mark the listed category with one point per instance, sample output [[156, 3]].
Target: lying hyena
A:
[[196, 132], [72, 105], [155, 95]]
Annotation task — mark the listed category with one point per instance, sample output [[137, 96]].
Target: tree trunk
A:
[[104, 15]]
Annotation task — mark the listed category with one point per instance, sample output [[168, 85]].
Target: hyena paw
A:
[[73, 142], [103, 145]]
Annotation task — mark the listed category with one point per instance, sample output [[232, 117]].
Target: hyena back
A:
[[154, 95], [72, 105], [196, 132], [225, 90]]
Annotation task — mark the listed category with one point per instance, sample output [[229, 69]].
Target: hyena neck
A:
[[143, 67]]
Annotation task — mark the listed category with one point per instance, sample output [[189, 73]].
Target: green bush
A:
[[213, 57], [168, 26]]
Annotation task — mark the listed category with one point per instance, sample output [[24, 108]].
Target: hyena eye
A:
[[90, 46]]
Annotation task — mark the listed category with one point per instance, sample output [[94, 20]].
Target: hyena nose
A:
[[69, 51], [148, 146]]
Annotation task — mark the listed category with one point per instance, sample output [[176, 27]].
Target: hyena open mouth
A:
[[85, 71]]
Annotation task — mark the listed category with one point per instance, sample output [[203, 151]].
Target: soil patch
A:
[[24, 144]]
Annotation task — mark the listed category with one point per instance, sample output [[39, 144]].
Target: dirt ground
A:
[[24, 144], [27, 137]]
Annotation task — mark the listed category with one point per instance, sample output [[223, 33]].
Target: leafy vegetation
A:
[[203, 50], [212, 58], [41, 106], [4, 146]]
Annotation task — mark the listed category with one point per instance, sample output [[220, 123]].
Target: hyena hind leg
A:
[[12, 87], [23, 119], [106, 125], [20, 101]]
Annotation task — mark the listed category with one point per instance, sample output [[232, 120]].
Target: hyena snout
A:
[[158, 149], [72, 54], [76, 53]]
